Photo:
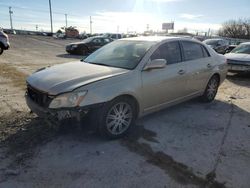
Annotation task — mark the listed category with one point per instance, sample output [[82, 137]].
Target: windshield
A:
[[211, 42], [121, 53], [242, 49], [87, 40]]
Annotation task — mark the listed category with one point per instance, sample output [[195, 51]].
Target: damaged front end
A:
[[48, 107]]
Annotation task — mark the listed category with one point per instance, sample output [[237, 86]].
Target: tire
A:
[[117, 118], [83, 50], [1, 49], [211, 89]]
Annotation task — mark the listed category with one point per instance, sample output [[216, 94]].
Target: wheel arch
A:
[[217, 75], [132, 98]]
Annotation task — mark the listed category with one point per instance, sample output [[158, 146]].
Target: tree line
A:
[[236, 29]]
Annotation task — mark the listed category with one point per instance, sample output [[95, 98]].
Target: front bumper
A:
[[238, 68], [70, 49], [6, 46], [77, 113]]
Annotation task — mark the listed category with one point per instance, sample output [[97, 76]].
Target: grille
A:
[[38, 97], [229, 61]]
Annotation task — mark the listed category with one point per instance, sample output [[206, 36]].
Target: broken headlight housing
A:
[[68, 100]]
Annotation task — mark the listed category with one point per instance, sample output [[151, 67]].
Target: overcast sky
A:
[[123, 15]]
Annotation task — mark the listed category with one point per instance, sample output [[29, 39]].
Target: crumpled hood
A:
[[238, 57], [69, 76]]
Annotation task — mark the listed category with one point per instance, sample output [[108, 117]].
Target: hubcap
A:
[[119, 118], [212, 88]]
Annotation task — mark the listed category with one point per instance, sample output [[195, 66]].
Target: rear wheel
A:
[[117, 118], [211, 89]]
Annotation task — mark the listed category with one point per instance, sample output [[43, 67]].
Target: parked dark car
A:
[[4, 42], [219, 45], [88, 45]]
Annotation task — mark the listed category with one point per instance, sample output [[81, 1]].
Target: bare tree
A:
[[236, 29]]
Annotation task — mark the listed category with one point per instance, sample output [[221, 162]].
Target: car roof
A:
[[152, 38], [94, 37]]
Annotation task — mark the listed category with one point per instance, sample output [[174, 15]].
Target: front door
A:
[[161, 86]]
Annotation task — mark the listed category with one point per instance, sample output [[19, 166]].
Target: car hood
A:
[[211, 46], [69, 76], [238, 57]]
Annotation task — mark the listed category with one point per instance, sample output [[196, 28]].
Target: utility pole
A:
[[11, 12], [51, 23], [66, 20], [147, 27], [90, 21]]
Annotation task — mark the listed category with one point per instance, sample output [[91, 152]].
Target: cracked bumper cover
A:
[[62, 113]]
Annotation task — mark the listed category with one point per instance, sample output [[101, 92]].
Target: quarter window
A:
[[205, 52], [192, 50], [169, 51]]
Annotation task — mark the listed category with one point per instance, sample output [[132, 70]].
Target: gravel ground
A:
[[189, 145]]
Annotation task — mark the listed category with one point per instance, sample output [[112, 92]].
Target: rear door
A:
[[199, 65], [161, 86]]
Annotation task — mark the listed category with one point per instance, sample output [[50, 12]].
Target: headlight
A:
[[74, 46], [68, 100]]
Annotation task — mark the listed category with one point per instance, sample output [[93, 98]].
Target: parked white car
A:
[[127, 79], [239, 58]]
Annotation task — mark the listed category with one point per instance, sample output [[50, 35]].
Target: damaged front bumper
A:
[[77, 113]]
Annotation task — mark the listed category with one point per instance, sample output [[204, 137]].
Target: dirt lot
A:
[[189, 145]]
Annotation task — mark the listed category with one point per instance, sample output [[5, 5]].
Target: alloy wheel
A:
[[119, 118], [212, 88]]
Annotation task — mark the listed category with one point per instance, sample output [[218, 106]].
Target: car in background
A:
[[230, 48], [219, 45], [114, 36], [88, 45], [239, 58], [4, 42], [126, 79]]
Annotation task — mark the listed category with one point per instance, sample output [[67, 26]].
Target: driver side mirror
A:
[[155, 64]]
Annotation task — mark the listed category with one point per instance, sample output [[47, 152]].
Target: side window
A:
[[192, 51], [169, 51], [97, 41], [106, 40]]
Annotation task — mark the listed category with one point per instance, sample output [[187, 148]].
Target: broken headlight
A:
[[68, 100]]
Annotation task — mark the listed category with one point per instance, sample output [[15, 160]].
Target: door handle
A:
[[181, 72], [209, 65]]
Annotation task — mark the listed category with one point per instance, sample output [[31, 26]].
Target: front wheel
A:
[[117, 118], [1, 49], [211, 89]]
